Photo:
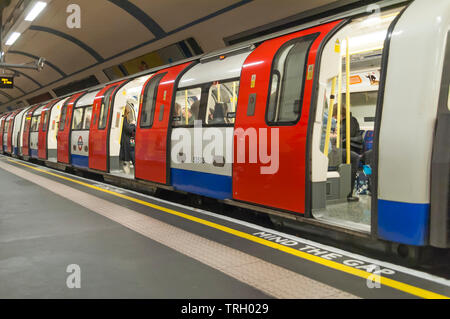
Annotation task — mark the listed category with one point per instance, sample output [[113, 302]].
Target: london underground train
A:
[[262, 125]]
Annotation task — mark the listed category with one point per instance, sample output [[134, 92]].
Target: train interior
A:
[[342, 181]]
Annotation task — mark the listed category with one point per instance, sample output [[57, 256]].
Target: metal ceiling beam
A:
[[70, 38], [141, 16], [36, 57]]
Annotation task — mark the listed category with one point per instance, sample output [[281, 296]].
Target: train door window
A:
[[62, 119], [35, 123], [187, 107], [149, 101], [87, 118], [77, 123], [105, 108], [222, 101], [288, 73], [44, 125]]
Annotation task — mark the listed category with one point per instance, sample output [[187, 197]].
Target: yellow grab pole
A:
[[339, 106], [347, 97], [330, 116], [218, 92], [234, 96], [186, 107]]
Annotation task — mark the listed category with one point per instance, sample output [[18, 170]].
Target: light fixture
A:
[[38, 7], [12, 38]]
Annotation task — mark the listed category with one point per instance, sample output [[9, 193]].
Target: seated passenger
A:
[[219, 114]]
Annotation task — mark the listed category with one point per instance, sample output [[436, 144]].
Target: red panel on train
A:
[[101, 122], [152, 142], [9, 147], [284, 189]]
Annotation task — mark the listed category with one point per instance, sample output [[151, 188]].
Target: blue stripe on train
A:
[[16, 151], [80, 161], [33, 153], [405, 223], [206, 184]]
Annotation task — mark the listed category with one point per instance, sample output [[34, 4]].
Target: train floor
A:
[[64, 236]]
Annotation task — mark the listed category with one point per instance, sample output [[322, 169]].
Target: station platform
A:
[[131, 245]]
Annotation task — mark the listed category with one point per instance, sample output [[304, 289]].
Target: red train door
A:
[[10, 133], [284, 67], [64, 129], [152, 157], [101, 121], [2, 127], [26, 131], [43, 129]]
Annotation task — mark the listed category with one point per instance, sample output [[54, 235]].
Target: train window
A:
[[187, 107], [104, 109], [149, 101], [222, 100], [44, 125], [62, 118], [87, 118], [35, 123], [77, 123], [288, 72]]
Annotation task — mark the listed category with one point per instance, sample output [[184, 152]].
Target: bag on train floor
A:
[[363, 181]]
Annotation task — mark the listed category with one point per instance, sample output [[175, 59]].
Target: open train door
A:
[[64, 128], [273, 107], [152, 129], [43, 130], [101, 123]]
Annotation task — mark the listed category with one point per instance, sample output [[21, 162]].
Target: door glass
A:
[[62, 119], [44, 125], [77, 123], [289, 66], [87, 118], [187, 107], [222, 100], [105, 108], [149, 101]]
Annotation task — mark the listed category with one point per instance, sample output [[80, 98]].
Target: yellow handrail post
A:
[[347, 97], [330, 116], [186, 107], [339, 106]]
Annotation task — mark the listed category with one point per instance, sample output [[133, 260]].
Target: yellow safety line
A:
[[317, 259]]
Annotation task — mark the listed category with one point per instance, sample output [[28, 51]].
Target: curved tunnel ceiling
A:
[[114, 28]]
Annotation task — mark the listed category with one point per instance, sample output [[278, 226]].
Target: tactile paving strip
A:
[[269, 278]]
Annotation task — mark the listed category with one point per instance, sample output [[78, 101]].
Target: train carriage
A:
[[264, 124]]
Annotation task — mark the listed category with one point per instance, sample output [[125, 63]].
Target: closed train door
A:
[[2, 128], [99, 131], [152, 161], [64, 129], [273, 111], [9, 147], [43, 130], [26, 131]]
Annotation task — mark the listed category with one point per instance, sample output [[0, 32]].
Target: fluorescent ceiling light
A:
[[38, 7], [12, 38]]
